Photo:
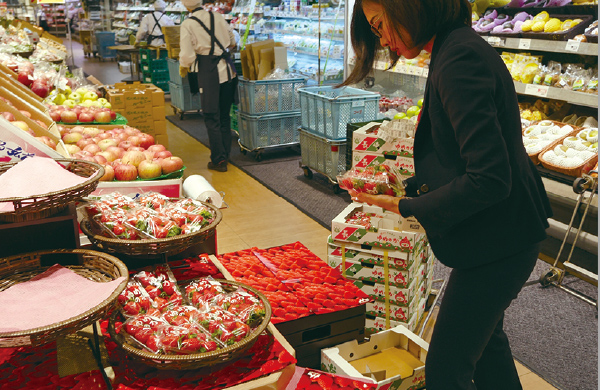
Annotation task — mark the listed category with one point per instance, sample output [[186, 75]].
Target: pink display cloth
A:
[[56, 295], [35, 176]]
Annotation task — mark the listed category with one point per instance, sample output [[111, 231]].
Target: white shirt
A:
[[195, 40], [148, 27]]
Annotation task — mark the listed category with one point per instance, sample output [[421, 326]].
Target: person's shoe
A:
[[220, 167]]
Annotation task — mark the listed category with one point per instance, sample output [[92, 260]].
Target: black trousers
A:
[[218, 125], [469, 349]]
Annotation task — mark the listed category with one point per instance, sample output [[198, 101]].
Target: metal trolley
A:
[[323, 155], [555, 275]]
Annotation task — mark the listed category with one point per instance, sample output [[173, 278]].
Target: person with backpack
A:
[[205, 41], [151, 26]]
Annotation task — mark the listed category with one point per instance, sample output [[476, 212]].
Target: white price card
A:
[[415, 70], [524, 43], [426, 72], [536, 90], [572, 45], [402, 69], [496, 41]]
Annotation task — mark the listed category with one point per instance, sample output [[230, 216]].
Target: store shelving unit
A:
[[56, 17], [126, 18]]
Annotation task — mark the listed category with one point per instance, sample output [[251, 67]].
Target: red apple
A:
[[105, 143], [103, 135], [117, 151], [109, 156], [131, 131], [100, 159], [149, 169], [121, 137], [134, 157], [77, 129], [92, 148], [86, 117], [40, 89], [91, 131], [156, 148], [146, 140], [109, 173], [48, 141], [125, 172], [8, 116], [68, 117], [113, 115], [125, 145], [82, 143], [72, 149], [135, 140], [72, 138], [171, 164], [103, 117], [55, 115], [163, 154], [25, 78], [149, 155], [42, 124], [21, 125], [26, 113], [134, 148]]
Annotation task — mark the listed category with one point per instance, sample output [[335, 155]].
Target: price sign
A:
[[496, 41], [426, 72], [536, 90], [402, 69], [415, 70], [524, 43], [572, 45], [380, 65]]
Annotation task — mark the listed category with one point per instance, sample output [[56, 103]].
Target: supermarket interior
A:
[[133, 258]]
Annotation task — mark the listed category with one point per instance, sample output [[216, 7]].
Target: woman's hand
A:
[[183, 71], [386, 202]]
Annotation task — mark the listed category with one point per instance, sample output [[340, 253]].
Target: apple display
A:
[[134, 157], [109, 156], [146, 140], [100, 159], [109, 173], [68, 117], [163, 154], [117, 151], [105, 143], [156, 148], [171, 164], [126, 172], [82, 143], [149, 169], [103, 117], [92, 148]]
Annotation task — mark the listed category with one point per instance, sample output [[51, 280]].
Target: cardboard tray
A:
[[564, 35]]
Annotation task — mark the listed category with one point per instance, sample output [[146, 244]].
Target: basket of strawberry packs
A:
[[215, 322], [149, 224], [376, 180]]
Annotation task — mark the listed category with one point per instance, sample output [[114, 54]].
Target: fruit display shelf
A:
[[120, 120]]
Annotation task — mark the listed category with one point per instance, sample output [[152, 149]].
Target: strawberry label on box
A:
[[403, 165], [398, 296], [305, 378], [396, 313], [377, 324], [368, 139], [376, 274]]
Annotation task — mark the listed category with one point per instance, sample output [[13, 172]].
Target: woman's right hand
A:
[[386, 202]]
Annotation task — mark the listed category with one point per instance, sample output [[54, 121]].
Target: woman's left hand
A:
[[386, 202]]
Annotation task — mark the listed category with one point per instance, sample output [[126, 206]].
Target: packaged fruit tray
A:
[[579, 28], [119, 224], [573, 155], [186, 337], [545, 125]]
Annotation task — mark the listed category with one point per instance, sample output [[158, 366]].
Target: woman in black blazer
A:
[[475, 190]]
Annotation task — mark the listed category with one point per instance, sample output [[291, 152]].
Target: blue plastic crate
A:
[[326, 156], [261, 131], [173, 66], [327, 110], [269, 96], [182, 98]]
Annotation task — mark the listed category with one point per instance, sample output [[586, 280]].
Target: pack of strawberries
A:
[[203, 316], [148, 216], [375, 180]]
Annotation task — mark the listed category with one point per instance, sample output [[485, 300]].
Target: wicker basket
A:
[[575, 171], [535, 157], [170, 245], [198, 360], [95, 266], [44, 205]]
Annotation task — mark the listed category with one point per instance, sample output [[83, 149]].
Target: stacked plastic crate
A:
[[268, 113], [153, 64], [104, 40], [325, 112], [182, 99]]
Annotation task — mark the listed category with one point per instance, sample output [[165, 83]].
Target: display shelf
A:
[[573, 97], [573, 47], [334, 37]]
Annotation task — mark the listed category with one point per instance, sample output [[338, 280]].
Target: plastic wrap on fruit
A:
[[223, 325], [134, 300], [153, 200], [161, 286], [179, 315], [143, 330], [186, 339], [241, 303], [203, 291], [375, 180]]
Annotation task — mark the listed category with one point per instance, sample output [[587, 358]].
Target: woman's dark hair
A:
[[422, 19]]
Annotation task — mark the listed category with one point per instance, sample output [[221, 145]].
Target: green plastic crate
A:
[[159, 65], [151, 54]]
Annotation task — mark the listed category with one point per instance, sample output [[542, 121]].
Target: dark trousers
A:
[[218, 125], [469, 349]]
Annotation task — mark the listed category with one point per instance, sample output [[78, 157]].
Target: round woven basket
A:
[[170, 245], [198, 360], [96, 266], [45, 205]]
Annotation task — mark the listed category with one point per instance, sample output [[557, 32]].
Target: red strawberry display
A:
[[378, 179], [180, 315], [186, 339], [242, 304], [160, 288], [145, 329], [134, 301], [203, 291], [153, 200], [223, 325]]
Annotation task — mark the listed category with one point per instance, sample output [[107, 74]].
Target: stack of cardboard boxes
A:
[[144, 107]]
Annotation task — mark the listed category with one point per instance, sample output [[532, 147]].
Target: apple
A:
[[55, 115], [47, 140], [102, 100], [121, 137], [420, 103], [117, 151], [42, 124], [72, 149], [25, 78], [400, 115], [40, 89], [135, 140], [103, 135], [82, 143], [134, 157], [86, 117], [103, 117], [125, 172], [149, 155], [105, 143], [77, 129], [412, 111], [70, 103], [163, 154], [90, 96], [72, 138], [109, 156], [146, 140], [100, 159], [26, 113], [171, 164], [138, 148], [125, 145], [68, 117], [8, 116], [132, 131], [109, 173], [156, 148], [92, 148], [149, 169], [73, 97], [91, 131], [86, 153]]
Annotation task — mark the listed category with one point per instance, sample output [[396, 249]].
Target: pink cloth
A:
[[53, 296], [35, 176]]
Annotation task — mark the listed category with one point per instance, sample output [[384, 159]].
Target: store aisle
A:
[[256, 217]]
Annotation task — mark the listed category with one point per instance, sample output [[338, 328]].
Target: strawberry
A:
[[325, 381], [342, 381], [143, 334]]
